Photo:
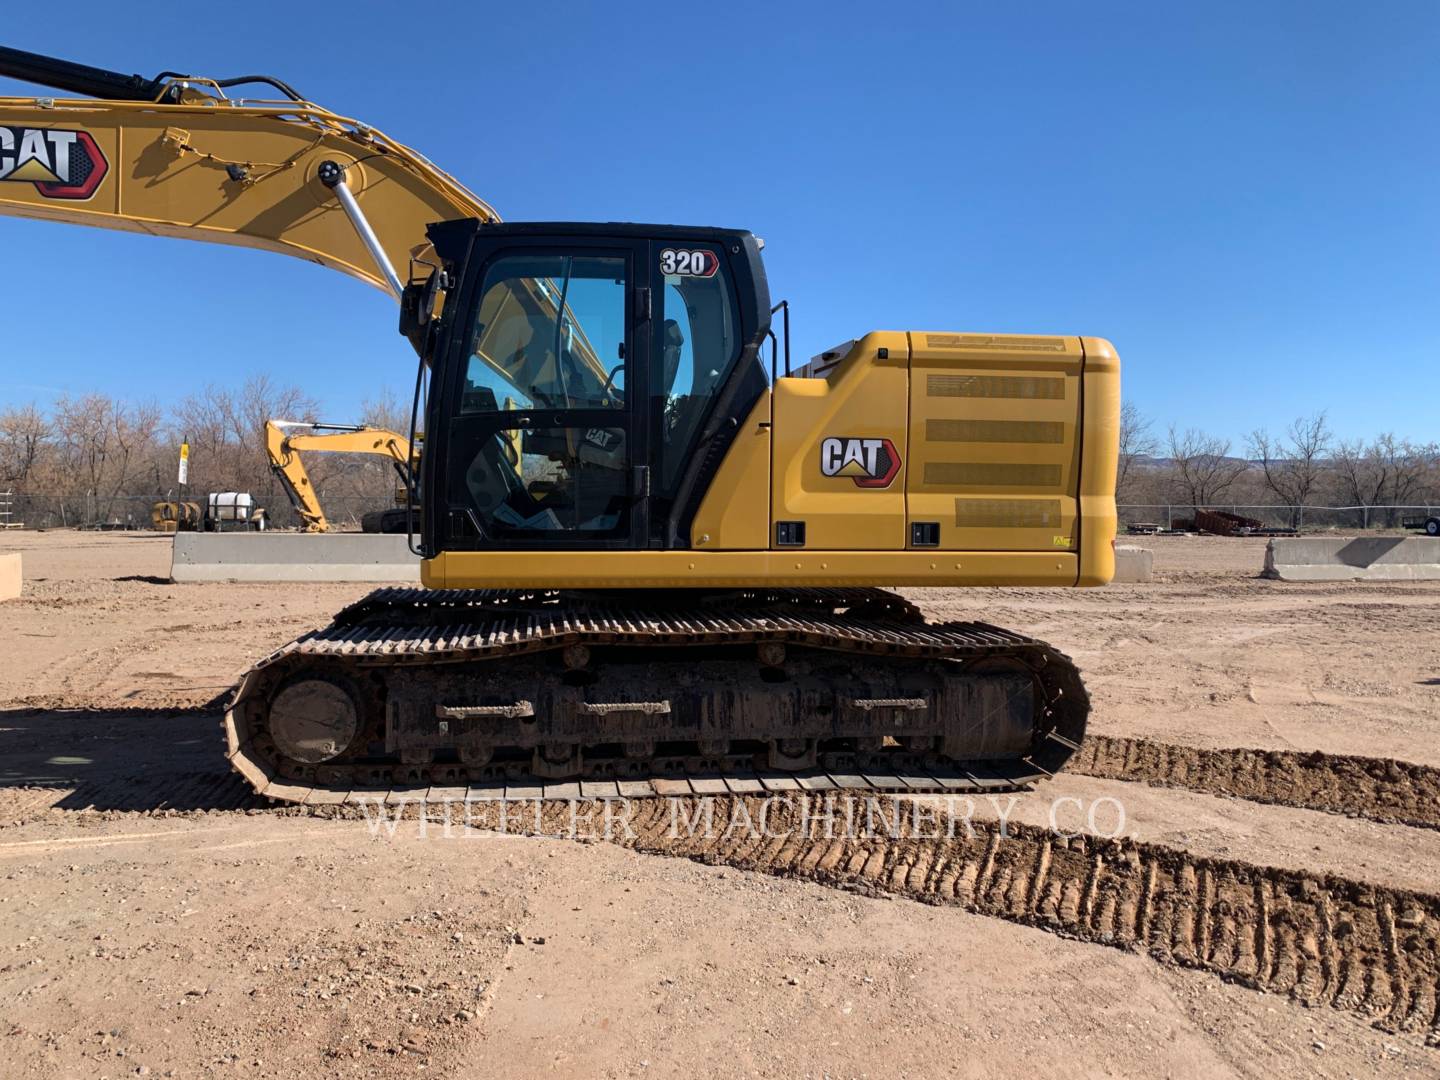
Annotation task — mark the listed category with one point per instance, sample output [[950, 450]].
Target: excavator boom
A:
[[176, 156], [283, 450]]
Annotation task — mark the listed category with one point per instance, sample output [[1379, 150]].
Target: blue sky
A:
[[1244, 197]]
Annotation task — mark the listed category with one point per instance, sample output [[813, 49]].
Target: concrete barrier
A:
[[270, 556], [1133, 564], [1368, 558], [10, 578]]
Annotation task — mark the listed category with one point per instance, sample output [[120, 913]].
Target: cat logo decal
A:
[[871, 463], [61, 163]]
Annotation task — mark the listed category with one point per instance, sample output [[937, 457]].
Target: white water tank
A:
[[230, 506]]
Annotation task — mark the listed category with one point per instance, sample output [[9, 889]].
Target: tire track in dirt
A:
[[1377, 789], [1380, 789], [1319, 940]]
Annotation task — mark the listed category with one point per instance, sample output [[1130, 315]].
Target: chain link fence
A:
[[1281, 517]]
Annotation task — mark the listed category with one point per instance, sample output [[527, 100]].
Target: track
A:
[[563, 696], [1317, 940], [1392, 792]]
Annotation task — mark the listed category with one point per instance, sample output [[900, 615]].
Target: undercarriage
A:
[[491, 694]]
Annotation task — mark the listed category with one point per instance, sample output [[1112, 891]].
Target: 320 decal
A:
[[61, 163], [871, 463], [678, 262]]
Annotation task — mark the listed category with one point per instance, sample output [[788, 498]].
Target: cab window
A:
[[698, 346], [550, 333], [548, 337]]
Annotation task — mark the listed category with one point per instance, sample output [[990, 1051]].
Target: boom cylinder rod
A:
[[77, 78], [332, 175]]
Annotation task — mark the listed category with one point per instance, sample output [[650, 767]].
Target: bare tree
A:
[[1408, 466], [85, 431], [1294, 464], [260, 399], [1388, 471], [386, 410], [1136, 441], [1203, 469], [136, 430], [25, 435], [1362, 476], [104, 449], [226, 430], [201, 419]]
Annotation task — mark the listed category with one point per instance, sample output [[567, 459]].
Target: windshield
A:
[[550, 332]]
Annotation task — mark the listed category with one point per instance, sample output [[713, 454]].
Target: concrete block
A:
[[10, 579], [1366, 558], [1133, 564], [270, 556]]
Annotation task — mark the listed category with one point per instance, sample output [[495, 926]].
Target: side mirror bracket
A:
[[419, 301]]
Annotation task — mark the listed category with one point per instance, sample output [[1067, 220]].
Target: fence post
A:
[[1365, 517], [1169, 518]]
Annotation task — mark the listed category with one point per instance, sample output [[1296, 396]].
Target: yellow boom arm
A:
[[284, 452], [177, 157], [209, 168]]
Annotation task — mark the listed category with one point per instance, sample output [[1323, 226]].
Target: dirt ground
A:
[[154, 921]]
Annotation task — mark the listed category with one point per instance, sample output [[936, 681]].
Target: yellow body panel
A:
[[737, 569], [1098, 520], [861, 396], [735, 513], [995, 439]]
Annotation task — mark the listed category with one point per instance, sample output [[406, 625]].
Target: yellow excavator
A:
[[655, 557], [283, 445]]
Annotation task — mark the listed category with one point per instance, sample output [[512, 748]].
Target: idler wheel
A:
[[313, 720]]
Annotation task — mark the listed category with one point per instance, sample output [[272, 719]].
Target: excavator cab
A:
[[585, 379]]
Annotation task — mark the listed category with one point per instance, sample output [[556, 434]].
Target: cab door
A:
[[543, 403]]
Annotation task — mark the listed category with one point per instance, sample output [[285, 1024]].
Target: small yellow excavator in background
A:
[[283, 445], [655, 558]]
